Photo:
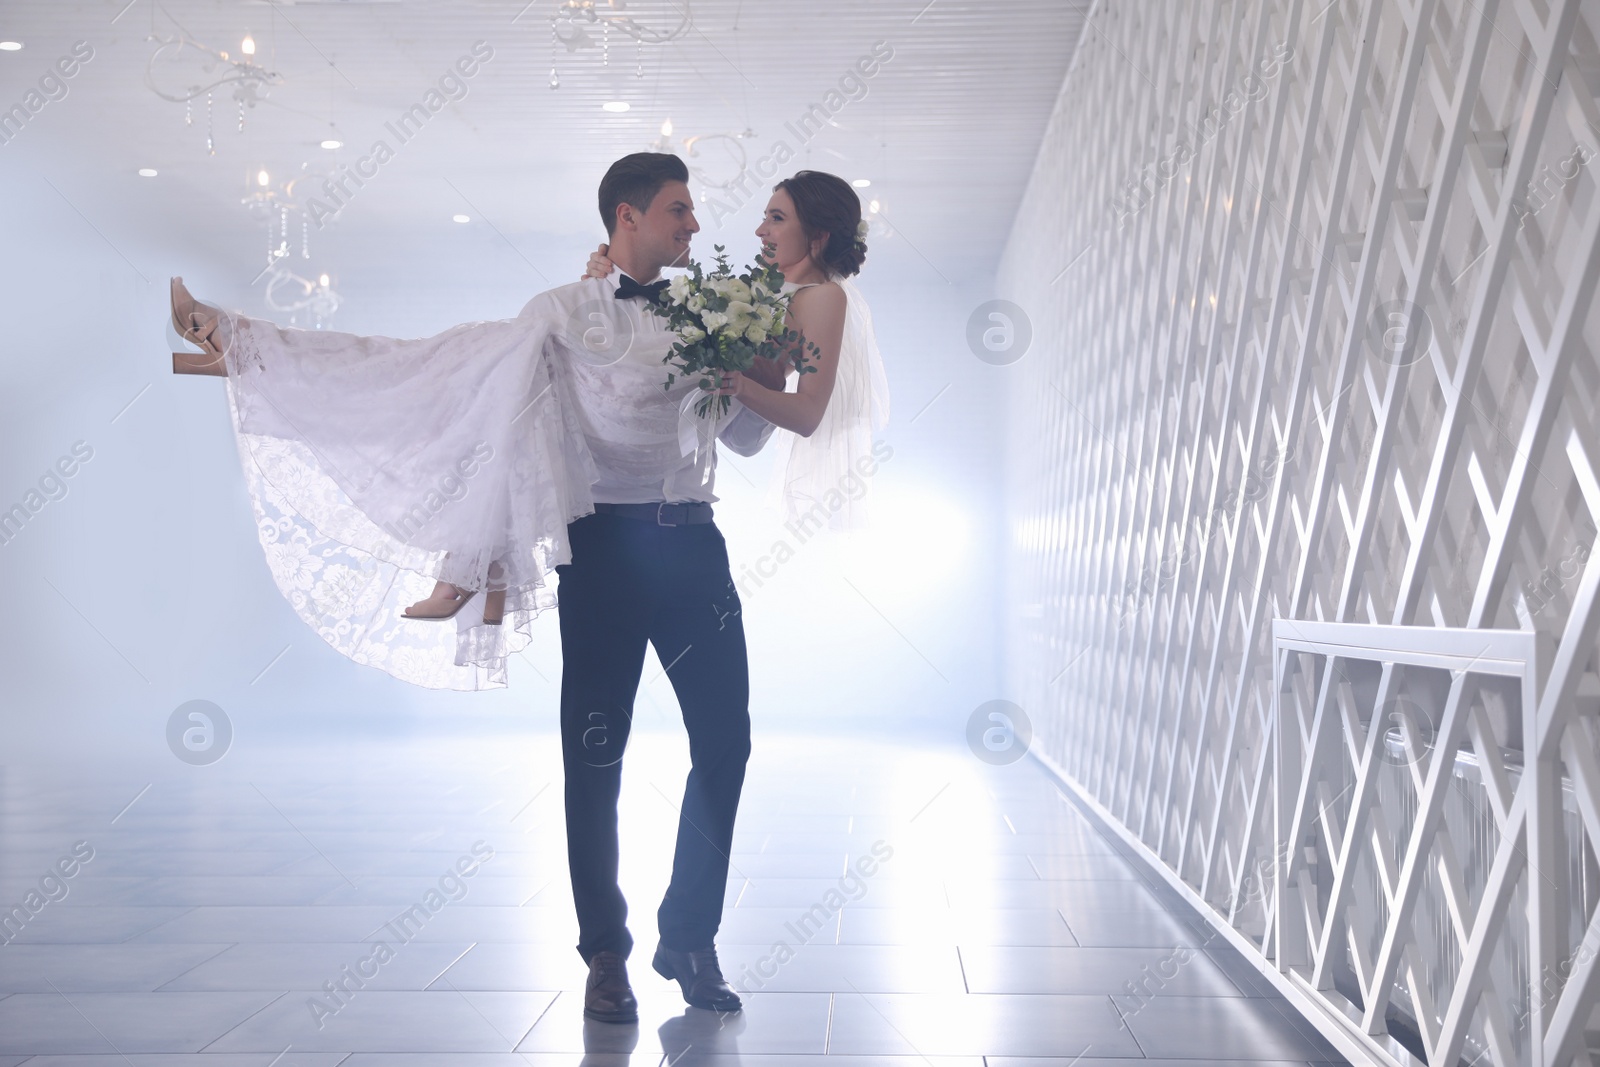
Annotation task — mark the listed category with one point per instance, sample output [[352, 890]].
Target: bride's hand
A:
[[734, 384], [768, 372], [599, 265]]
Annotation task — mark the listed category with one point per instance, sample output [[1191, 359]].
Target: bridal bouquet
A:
[[724, 321]]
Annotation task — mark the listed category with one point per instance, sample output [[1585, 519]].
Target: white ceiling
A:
[[947, 129]]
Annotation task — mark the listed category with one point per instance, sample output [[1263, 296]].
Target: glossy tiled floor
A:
[[221, 904]]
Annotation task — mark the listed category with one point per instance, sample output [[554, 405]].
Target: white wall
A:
[[1236, 211]]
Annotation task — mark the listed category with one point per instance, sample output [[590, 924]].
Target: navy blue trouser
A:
[[632, 582]]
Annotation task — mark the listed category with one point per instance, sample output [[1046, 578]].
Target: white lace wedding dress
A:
[[377, 465]]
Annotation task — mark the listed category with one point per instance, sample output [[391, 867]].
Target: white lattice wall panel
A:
[[1310, 292]]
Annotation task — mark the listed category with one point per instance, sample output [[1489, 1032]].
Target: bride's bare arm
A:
[[817, 314]]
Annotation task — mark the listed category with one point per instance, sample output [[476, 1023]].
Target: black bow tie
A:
[[629, 288]]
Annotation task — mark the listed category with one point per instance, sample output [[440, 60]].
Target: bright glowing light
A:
[[147, 172], [861, 183], [248, 45], [323, 281], [262, 178], [331, 144], [896, 548], [617, 106], [873, 207], [930, 850], [461, 218], [10, 46], [666, 128]]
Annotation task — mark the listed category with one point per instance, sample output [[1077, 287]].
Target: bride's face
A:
[[782, 240]]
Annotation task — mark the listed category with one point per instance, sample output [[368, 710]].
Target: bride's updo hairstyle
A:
[[825, 203]]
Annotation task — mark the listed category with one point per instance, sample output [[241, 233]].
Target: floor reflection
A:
[[887, 904]]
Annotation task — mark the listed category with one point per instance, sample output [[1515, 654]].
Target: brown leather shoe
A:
[[700, 976], [607, 997]]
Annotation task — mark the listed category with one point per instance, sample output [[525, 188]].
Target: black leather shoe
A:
[[700, 975], [607, 997]]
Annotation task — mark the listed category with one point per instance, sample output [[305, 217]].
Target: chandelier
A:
[[281, 209], [724, 163], [250, 82], [288, 291], [577, 23]]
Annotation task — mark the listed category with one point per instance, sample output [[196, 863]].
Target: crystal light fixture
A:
[[584, 24], [722, 167], [279, 206], [288, 291], [250, 82]]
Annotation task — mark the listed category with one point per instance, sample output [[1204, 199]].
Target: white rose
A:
[[756, 333], [740, 314], [714, 320], [737, 290], [692, 334], [696, 303]]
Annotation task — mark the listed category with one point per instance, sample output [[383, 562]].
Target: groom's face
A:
[[664, 231]]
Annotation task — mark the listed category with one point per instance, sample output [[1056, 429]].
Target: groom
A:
[[649, 567]]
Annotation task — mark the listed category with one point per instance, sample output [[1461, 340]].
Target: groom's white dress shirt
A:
[[612, 351]]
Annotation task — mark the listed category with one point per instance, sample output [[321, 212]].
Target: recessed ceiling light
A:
[[461, 218], [10, 46], [147, 172], [861, 183], [618, 106], [330, 143]]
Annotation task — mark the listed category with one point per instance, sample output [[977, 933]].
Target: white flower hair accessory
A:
[[862, 229]]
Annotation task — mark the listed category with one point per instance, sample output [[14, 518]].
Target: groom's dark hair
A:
[[636, 179]]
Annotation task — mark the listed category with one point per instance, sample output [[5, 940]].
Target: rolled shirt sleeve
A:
[[745, 432]]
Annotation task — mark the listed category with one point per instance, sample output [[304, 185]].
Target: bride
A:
[[375, 464]]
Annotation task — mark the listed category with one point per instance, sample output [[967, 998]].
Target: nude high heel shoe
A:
[[494, 607], [494, 603], [194, 325], [437, 608]]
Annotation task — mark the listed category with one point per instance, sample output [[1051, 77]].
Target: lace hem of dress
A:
[[353, 597], [350, 578]]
